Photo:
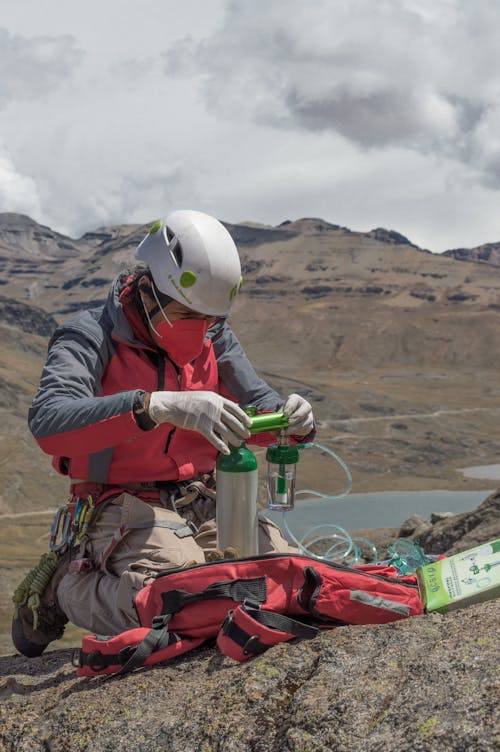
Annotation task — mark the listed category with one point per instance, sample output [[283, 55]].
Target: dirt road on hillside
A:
[[410, 416]]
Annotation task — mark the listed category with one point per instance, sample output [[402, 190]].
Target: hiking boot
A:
[[37, 619], [215, 554], [231, 553]]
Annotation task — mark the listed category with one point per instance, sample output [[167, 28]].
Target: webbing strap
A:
[[250, 644], [280, 622], [237, 590], [254, 630], [180, 528], [157, 638], [131, 656]]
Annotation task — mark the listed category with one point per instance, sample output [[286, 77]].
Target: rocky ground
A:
[[426, 684]]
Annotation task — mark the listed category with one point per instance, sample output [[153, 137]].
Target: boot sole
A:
[[22, 644]]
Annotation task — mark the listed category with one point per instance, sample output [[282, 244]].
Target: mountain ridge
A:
[[488, 253], [15, 224], [315, 257]]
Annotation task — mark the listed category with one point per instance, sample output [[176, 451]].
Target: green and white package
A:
[[469, 577]]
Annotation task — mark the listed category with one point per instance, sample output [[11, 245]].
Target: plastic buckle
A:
[[249, 603], [96, 661], [227, 623], [160, 621], [251, 642]]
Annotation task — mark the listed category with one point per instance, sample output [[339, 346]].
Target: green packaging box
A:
[[469, 577]]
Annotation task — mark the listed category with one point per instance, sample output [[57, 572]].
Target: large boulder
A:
[[425, 684], [453, 533]]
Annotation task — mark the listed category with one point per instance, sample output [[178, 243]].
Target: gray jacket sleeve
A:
[[237, 373], [69, 398]]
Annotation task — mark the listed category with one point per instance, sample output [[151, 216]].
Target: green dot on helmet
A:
[[154, 228], [188, 278]]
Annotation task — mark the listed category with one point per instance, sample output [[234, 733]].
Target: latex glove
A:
[[219, 420], [300, 415]]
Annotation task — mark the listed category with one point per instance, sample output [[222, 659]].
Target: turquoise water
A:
[[386, 509]]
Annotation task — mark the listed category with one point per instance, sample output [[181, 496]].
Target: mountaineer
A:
[[136, 399]]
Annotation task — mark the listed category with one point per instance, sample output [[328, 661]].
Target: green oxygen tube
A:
[[237, 489]]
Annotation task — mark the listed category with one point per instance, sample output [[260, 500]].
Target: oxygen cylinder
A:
[[237, 508]]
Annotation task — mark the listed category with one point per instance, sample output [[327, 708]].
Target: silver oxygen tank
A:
[[237, 507]]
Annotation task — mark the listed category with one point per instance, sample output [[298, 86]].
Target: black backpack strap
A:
[[237, 590], [249, 630], [129, 657], [157, 638]]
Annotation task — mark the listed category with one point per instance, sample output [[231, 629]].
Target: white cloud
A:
[[18, 193], [381, 74], [366, 113], [32, 67]]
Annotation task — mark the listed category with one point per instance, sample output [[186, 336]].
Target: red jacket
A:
[[97, 363]]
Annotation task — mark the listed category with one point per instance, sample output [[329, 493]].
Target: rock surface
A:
[[427, 684], [28, 318], [459, 532], [489, 253]]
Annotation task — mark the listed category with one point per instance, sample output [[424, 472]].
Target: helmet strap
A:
[[153, 289]]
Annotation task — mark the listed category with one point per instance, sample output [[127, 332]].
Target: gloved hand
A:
[[300, 415], [219, 420]]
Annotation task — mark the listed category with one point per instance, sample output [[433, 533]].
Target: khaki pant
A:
[[134, 541]]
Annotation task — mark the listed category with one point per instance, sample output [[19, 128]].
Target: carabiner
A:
[[60, 526]]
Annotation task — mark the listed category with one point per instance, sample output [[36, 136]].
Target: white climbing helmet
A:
[[194, 260]]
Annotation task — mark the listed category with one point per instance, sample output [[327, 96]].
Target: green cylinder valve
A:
[[268, 422]]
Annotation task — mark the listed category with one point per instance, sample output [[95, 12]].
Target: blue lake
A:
[[368, 511]]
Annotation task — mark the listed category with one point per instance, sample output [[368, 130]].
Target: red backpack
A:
[[249, 605]]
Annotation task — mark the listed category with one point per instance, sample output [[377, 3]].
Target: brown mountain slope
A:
[[397, 348], [21, 235]]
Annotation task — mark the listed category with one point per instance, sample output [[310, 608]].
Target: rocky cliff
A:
[[489, 253], [452, 533]]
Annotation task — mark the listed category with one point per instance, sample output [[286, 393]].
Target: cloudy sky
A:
[[366, 113]]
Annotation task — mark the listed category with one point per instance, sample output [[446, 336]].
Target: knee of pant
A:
[[153, 541], [271, 539], [68, 589], [148, 563]]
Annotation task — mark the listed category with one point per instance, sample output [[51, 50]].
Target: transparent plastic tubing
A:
[[343, 546]]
